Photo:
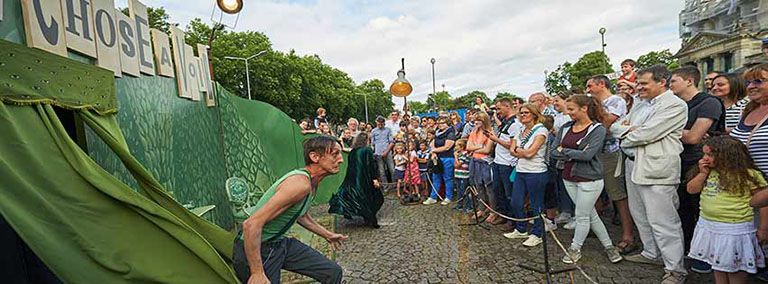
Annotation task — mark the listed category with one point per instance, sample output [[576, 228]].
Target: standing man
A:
[[615, 107], [709, 79], [652, 143], [261, 250], [504, 161], [382, 139], [539, 99], [394, 122], [706, 116]]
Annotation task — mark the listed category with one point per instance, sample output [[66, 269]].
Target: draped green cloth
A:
[[357, 196], [86, 225]]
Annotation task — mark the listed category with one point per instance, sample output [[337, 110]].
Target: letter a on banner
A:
[[43, 25], [180, 63], [129, 55], [163, 61], [107, 41], [143, 45], [78, 23]]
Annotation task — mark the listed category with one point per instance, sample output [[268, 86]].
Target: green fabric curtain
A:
[[86, 225]]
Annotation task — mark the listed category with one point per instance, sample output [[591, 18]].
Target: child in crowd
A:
[[412, 173], [423, 157], [461, 159], [401, 161], [724, 236], [402, 135]]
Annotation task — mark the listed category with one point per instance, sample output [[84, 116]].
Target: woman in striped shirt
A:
[[755, 115], [731, 89]]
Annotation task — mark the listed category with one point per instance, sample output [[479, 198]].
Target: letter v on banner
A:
[[43, 25], [180, 63]]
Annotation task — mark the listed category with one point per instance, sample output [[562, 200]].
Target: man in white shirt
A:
[[653, 146], [393, 123], [504, 162]]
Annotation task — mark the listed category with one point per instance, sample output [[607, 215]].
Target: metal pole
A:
[[602, 40], [433, 76], [248, 78], [365, 98]]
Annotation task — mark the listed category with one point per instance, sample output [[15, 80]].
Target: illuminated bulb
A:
[[401, 87], [230, 6]]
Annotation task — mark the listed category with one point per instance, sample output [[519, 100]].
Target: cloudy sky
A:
[[487, 45]]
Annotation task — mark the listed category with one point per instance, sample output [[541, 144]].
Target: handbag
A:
[[513, 174]]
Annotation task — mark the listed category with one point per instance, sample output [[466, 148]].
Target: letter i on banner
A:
[[78, 20], [180, 62], [129, 55], [192, 72], [43, 25], [107, 41], [163, 62], [139, 15]]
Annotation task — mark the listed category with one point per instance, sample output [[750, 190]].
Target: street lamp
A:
[[401, 87], [247, 73], [433, 77], [602, 40]]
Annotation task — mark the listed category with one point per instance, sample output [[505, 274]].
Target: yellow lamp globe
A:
[[400, 87]]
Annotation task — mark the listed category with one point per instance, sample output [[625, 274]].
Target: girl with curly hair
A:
[[725, 236]]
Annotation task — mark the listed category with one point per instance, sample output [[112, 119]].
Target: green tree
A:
[[468, 100], [590, 64], [657, 57], [378, 97], [559, 79], [417, 107], [158, 18], [501, 95], [440, 101]]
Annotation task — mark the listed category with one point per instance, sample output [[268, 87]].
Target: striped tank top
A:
[[758, 148], [733, 113]]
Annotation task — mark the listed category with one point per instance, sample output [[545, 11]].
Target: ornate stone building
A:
[[722, 35]]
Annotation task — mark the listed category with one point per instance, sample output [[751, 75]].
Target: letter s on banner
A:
[[43, 26]]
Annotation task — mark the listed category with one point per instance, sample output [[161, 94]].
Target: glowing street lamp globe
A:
[[401, 87], [230, 6]]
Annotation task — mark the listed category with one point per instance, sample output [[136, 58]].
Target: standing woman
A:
[[442, 148], [580, 141], [458, 125], [480, 168], [559, 102], [531, 173], [731, 89], [359, 194]]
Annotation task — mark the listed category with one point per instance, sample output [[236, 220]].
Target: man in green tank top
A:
[[262, 251]]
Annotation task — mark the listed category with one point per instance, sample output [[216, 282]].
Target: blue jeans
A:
[[446, 176], [566, 204], [533, 185], [502, 187], [461, 186]]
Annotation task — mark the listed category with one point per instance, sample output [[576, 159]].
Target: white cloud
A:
[[487, 45]]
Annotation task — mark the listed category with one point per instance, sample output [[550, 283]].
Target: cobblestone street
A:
[[425, 244]]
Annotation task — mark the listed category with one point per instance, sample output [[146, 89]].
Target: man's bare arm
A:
[[291, 191]]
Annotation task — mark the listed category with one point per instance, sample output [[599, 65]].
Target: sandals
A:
[[625, 247]]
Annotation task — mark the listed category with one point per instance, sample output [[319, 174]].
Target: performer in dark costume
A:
[[359, 194]]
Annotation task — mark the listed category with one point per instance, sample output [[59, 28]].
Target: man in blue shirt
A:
[[382, 141]]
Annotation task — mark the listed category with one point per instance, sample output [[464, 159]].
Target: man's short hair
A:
[[602, 78], [380, 119], [658, 72], [630, 62], [505, 101], [688, 73], [322, 145]]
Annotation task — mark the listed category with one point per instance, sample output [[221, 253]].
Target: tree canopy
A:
[[657, 57]]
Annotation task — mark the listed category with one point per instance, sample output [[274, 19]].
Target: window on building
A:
[[710, 64], [727, 61]]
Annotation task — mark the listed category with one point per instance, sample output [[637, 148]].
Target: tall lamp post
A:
[[365, 99], [602, 40], [433, 78], [401, 87], [247, 73]]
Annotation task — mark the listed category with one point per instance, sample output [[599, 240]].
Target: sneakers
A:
[[445, 202], [429, 201], [572, 256], [563, 218], [532, 241], [613, 255], [639, 258], [699, 266], [549, 225], [516, 235], [570, 225], [673, 277]]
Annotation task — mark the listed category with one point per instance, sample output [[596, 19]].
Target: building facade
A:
[[722, 35]]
